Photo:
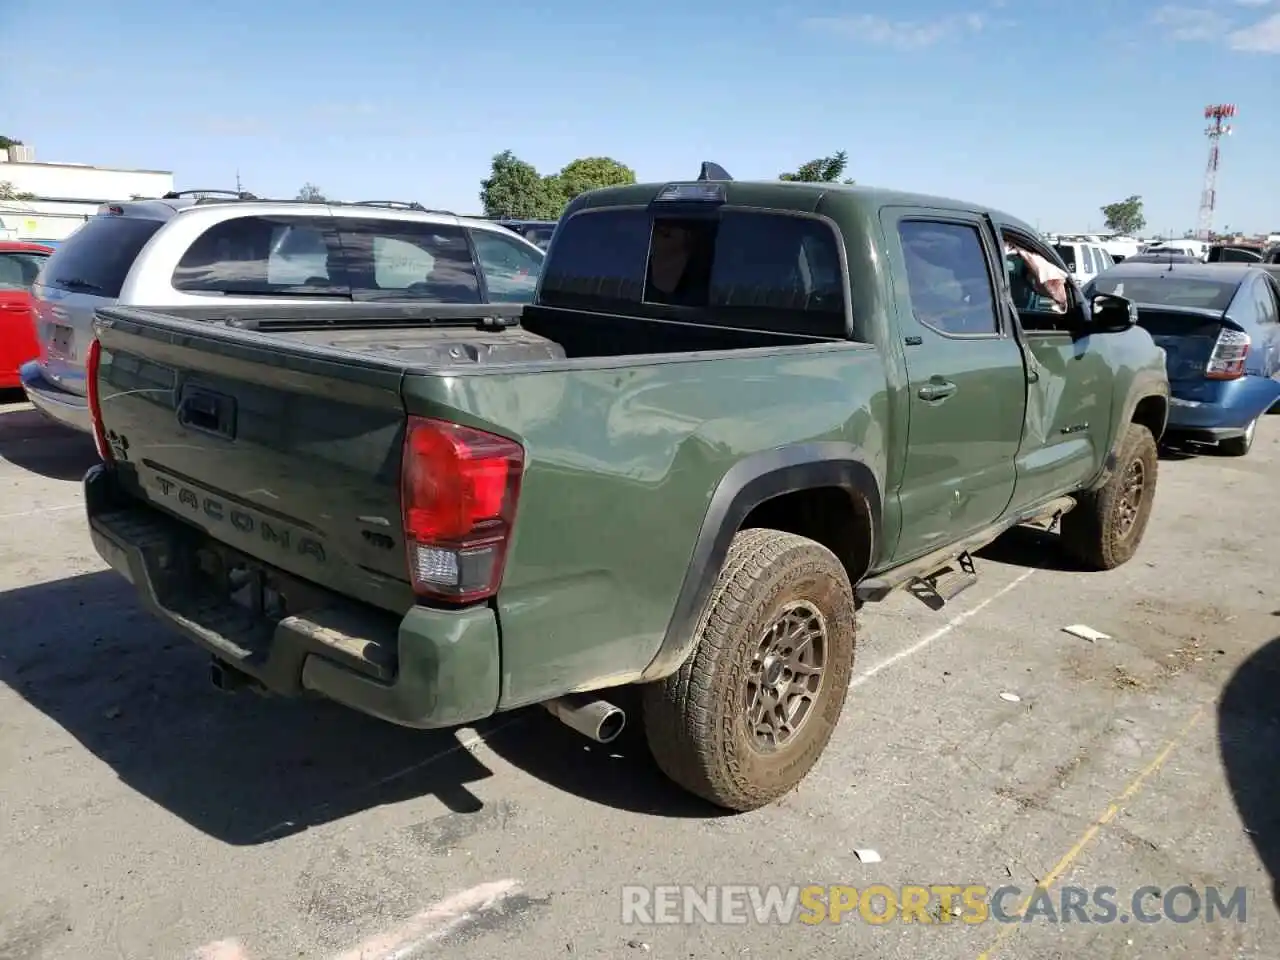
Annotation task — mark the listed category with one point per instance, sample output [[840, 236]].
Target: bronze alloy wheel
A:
[[785, 677]]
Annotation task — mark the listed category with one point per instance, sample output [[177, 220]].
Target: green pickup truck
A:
[[735, 412]]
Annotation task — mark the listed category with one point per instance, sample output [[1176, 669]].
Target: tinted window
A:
[[778, 262], [408, 260], [948, 278], [599, 260], [262, 256], [746, 268], [18, 269], [97, 257], [510, 268], [1169, 290], [1067, 251]]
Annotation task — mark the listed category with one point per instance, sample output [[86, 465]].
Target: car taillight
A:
[[1227, 360], [459, 488], [91, 363]]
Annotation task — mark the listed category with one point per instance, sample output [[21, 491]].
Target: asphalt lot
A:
[[147, 815]]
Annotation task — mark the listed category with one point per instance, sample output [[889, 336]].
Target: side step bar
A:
[[937, 577], [945, 583]]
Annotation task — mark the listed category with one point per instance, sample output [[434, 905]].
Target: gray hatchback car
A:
[[181, 250]]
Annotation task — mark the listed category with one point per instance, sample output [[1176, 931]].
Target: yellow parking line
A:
[[1106, 817]]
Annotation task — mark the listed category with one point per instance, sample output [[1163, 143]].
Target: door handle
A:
[[207, 411], [937, 390]]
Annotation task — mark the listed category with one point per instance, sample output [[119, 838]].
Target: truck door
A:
[[1069, 392], [966, 381]]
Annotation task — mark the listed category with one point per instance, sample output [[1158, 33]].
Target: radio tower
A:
[[1215, 114]]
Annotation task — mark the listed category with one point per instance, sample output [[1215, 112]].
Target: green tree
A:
[[592, 173], [821, 170], [1125, 216], [7, 142], [311, 193], [514, 189], [7, 192]]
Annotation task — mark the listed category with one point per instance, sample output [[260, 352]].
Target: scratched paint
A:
[[406, 939]]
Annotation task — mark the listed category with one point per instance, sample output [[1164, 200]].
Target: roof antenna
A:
[[713, 171]]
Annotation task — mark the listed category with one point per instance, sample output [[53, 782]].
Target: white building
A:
[[65, 194]]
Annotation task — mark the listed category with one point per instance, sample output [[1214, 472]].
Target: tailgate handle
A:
[[207, 412]]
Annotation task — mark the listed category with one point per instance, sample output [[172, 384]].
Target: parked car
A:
[[535, 231], [235, 250], [1234, 253], [1196, 249], [20, 262], [1219, 326], [1165, 256], [735, 410], [1083, 260]]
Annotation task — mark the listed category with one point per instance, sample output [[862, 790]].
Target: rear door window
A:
[[97, 258], [948, 277], [264, 256], [747, 268], [408, 260], [510, 268]]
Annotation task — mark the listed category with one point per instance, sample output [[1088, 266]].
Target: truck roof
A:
[[786, 195]]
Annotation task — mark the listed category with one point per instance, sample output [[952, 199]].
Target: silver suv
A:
[[184, 250]]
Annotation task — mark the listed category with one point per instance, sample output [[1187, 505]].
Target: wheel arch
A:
[[1147, 404], [788, 488]]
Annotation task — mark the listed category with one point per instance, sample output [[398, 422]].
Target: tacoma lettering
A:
[[274, 534]]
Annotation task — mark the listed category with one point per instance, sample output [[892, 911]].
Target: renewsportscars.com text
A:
[[934, 904]]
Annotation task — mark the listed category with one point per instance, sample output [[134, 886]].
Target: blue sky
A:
[[1045, 109]]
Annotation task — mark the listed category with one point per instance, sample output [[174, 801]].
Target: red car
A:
[[19, 264]]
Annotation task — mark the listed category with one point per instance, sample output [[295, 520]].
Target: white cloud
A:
[[1192, 23], [1262, 37], [898, 34]]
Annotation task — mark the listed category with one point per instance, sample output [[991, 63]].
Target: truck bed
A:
[[279, 431], [274, 440]]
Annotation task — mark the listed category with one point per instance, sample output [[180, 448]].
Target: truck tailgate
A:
[[280, 450]]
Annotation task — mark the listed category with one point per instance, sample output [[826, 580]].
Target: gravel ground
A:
[[149, 816]]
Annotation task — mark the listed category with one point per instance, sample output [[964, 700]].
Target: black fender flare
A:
[[749, 483]]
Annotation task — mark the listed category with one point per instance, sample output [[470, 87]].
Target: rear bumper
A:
[[429, 669], [68, 409], [1236, 404]]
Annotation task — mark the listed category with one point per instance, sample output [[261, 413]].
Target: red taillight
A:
[[459, 488], [1229, 353], [91, 363]]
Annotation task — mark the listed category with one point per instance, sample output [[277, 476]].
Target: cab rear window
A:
[[97, 258], [745, 268]]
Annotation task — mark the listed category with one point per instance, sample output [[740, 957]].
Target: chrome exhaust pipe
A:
[[592, 717]]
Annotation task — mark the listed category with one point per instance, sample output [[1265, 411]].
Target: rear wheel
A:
[[754, 705], [1106, 526], [1239, 446]]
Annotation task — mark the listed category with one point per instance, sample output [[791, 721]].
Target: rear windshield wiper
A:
[[75, 283]]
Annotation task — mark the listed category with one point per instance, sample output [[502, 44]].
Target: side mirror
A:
[[1112, 314]]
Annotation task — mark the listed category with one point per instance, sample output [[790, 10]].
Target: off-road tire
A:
[[1091, 532], [1239, 446], [694, 720]]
